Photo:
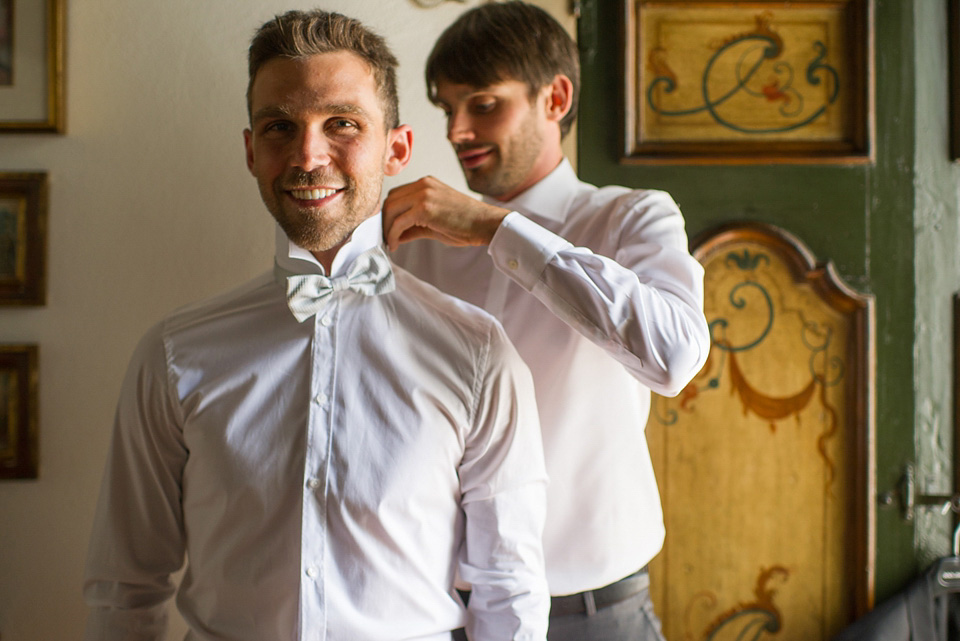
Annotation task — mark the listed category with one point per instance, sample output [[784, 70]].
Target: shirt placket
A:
[[316, 475]]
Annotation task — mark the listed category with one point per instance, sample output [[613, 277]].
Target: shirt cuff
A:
[[521, 249]]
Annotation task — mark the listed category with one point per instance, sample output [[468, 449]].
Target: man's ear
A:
[[399, 150], [559, 97], [248, 144]]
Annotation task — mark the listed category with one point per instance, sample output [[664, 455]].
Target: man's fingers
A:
[[415, 232], [428, 208], [399, 214], [402, 233], [393, 230]]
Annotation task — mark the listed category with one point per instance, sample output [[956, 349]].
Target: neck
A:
[[547, 162], [325, 258]]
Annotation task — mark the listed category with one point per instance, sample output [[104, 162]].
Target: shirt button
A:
[[312, 572], [321, 399], [325, 321], [512, 263], [313, 484]]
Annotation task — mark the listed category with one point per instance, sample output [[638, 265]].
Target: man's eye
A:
[[485, 106], [278, 127], [342, 123]]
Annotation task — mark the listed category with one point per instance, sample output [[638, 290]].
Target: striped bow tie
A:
[[369, 275]]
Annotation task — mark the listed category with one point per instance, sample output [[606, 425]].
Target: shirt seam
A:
[[169, 377], [481, 367]]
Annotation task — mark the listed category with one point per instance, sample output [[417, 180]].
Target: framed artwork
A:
[[23, 232], [740, 82], [31, 66], [953, 36], [6, 43], [956, 390], [18, 412]]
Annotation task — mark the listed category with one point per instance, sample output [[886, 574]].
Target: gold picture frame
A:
[[32, 66], [740, 82], [19, 403], [953, 66], [23, 233], [956, 392]]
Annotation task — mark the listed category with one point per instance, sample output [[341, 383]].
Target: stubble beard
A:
[[319, 229], [506, 174]]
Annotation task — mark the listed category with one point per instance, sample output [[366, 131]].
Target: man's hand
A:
[[428, 208]]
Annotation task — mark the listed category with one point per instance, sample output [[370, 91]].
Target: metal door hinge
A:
[[909, 499]]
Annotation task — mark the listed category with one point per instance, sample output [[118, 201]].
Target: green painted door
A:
[[860, 217]]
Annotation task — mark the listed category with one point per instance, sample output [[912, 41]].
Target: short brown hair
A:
[[300, 34], [502, 41]]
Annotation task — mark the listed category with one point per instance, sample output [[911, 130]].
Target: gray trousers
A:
[[632, 619]]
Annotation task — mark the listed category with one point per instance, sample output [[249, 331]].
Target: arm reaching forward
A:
[[633, 288]]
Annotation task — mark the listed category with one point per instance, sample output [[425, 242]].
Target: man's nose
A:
[[459, 128], [312, 150]]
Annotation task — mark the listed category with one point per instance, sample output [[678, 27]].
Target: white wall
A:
[[151, 207]]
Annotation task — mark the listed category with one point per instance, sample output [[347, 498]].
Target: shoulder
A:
[[446, 339], [617, 199], [632, 216], [447, 318], [252, 295], [215, 326], [442, 306]]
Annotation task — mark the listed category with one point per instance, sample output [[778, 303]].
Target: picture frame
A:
[[23, 233], [32, 66], [19, 404], [956, 394], [721, 81], [953, 66]]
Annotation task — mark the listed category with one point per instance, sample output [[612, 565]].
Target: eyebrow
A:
[[286, 112]]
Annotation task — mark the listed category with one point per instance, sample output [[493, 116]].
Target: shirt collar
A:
[[550, 198], [297, 260]]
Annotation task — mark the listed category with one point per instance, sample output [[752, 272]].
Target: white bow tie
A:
[[369, 275]]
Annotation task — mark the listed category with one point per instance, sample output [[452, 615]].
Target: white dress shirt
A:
[[325, 480], [597, 290]]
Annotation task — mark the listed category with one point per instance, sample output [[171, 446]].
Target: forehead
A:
[[317, 82]]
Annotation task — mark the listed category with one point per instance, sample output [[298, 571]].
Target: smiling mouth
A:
[[473, 158], [313, 194]]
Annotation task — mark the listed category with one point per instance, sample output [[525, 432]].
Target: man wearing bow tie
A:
[[330, 444]]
